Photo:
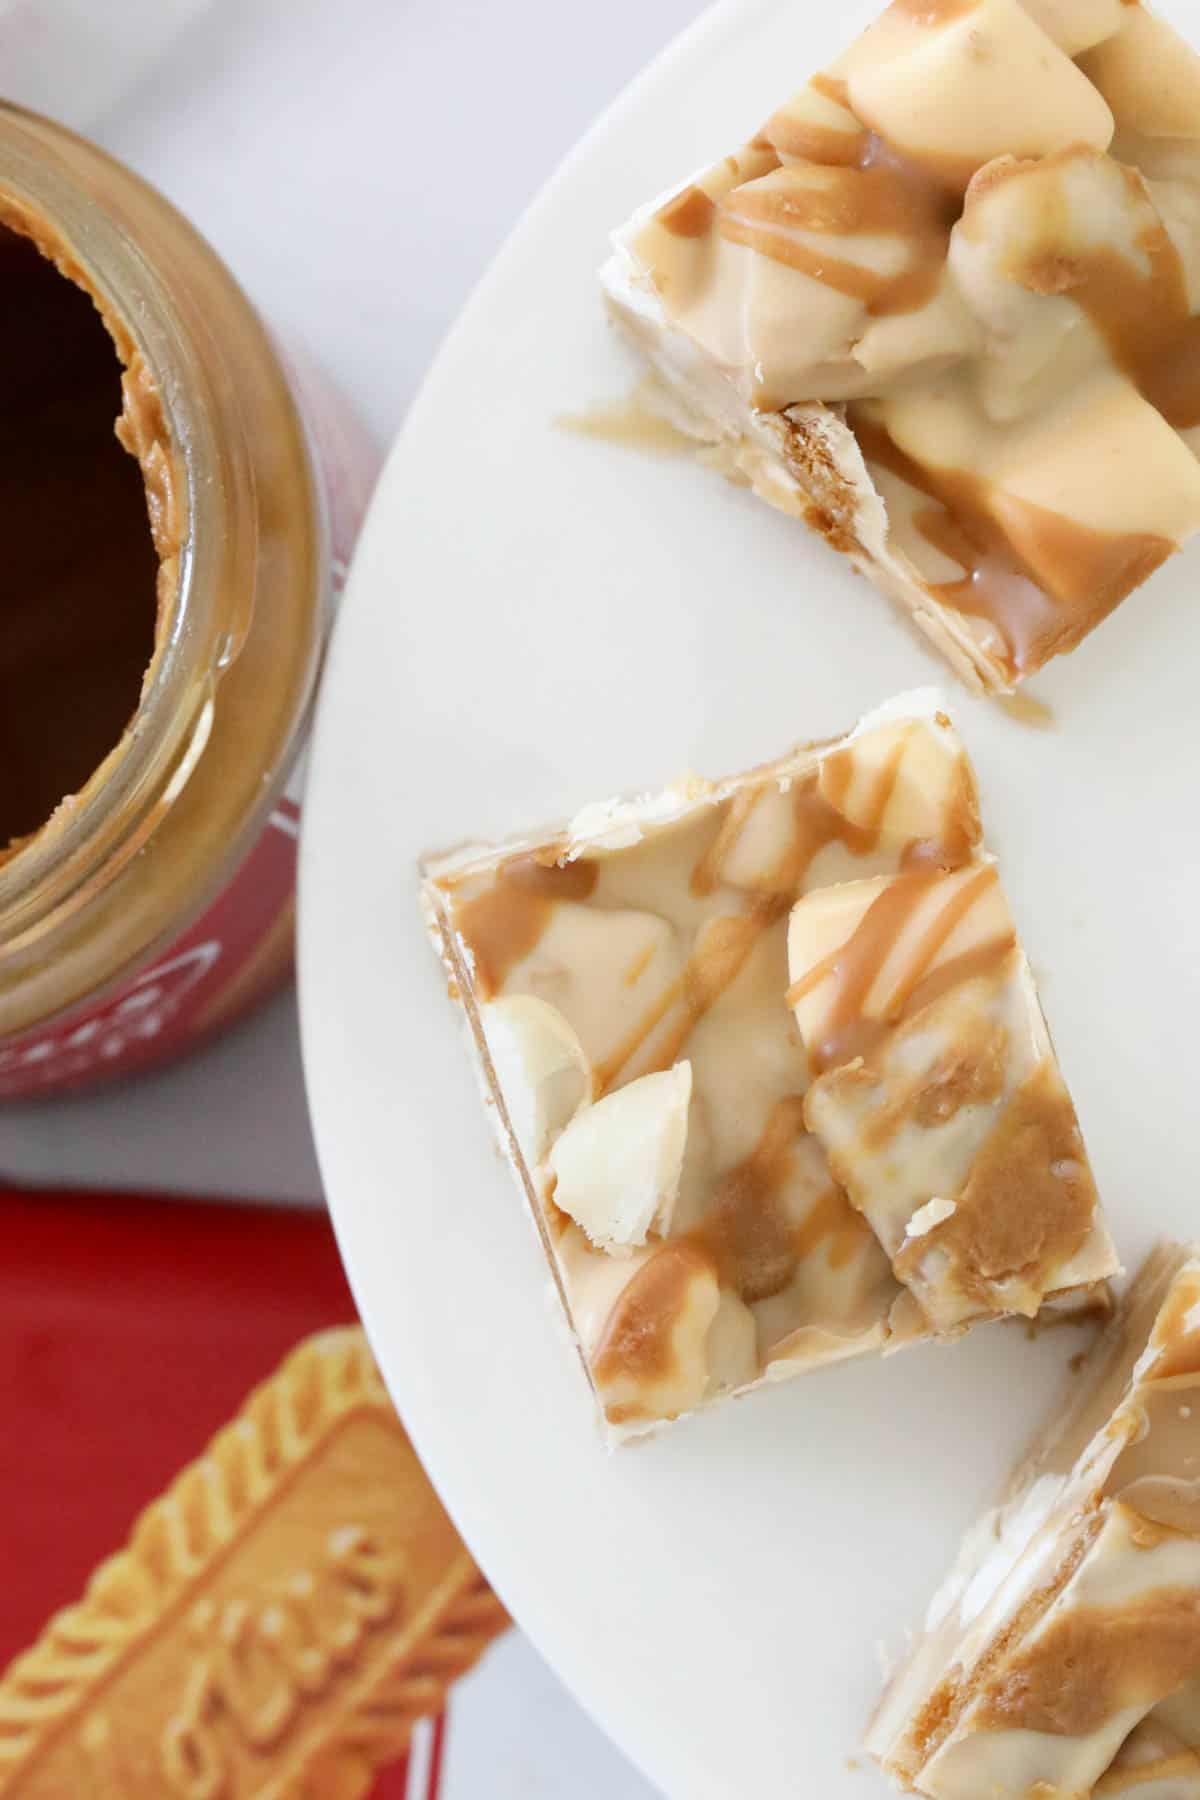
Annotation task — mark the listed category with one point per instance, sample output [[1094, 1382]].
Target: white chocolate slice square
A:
[[1062, 1656], [714, 1219], [945, 309]]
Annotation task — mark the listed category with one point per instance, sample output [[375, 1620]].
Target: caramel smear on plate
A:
[[635, 423]]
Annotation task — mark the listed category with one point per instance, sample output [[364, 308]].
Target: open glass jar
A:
[[153, 902]]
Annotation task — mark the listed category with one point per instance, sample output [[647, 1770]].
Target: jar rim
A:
[[92, 835]]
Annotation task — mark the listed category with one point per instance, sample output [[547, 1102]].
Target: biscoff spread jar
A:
[[164, 600]]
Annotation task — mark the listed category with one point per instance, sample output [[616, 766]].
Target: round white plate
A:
[[537, 620]]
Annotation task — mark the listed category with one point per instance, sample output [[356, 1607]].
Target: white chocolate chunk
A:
[[752, 851], [603, 1295], [810, 112], [1149, 75], [934, 1212], [682, 1376], [682, 262], [947, 91], [540, 1068], [918, 764], [1106, 459], [1022, 223], [941, 332], [739, 306], [596, 967], [594, 1282], [732, 1349], [617, 1164], [1101, 457], [796, 192], [776, 294], [823, 923], [900, 782], [1076, 25]]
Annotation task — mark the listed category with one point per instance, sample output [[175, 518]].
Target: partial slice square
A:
[[739, 1168], [936, 1096], [1062, 1656], [943, 307]]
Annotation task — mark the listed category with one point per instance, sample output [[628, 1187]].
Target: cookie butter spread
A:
[[768, 1061], [85, 559], [1062, 1658], [944, 306]]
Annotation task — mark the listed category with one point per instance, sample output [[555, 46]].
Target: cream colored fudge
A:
[[943, 308], [767, 1060], [1062, 1658]]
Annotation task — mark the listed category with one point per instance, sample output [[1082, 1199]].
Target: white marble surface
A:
[[357, 163]]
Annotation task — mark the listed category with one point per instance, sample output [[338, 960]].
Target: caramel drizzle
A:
[[1029, 1200], [1084, 573], [1144, 318], [832, 87], [810, 142], [1091, 1662], [855, 967], [837, 774], [756, 1247], [639, 965], [804, 138], [689, 215], [834, 1221], [970, 1072], [713, 966], [817, 820], [638, 1336], [984, 959], [747, 1235], [1143, 315], [504, 924], [727, 943], [875, 191], [707, 873]]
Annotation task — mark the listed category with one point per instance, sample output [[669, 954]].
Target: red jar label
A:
[[236, 953], [240, 950]]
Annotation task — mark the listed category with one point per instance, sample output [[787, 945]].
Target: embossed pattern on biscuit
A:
[[277, 1622]]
